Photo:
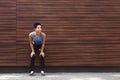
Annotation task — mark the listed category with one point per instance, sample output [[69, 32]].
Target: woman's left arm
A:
[[43, 44]]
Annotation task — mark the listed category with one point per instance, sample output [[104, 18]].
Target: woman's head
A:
[[37, 27]]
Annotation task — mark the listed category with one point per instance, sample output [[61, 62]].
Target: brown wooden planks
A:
[[79, 32], [7, 33]]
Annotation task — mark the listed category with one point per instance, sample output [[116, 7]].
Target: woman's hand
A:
[[32, 53], [42, 53]]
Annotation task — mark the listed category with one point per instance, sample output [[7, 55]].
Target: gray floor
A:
[[62, 76]]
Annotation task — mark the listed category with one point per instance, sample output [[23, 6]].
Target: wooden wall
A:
[[7, 32], [79, 32]]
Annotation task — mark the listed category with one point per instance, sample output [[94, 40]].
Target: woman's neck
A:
[[37, 33]]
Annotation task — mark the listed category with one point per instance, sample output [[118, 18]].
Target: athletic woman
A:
[[37, 40]]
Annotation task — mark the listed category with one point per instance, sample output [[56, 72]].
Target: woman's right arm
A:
[[31, 44]]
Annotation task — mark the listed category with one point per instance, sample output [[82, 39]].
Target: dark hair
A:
[[36, 24]]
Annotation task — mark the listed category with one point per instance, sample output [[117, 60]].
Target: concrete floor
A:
[[62, 76]]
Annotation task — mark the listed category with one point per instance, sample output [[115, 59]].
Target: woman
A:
[[37, 44]]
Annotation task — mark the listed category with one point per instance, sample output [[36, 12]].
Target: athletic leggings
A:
[[42, 62]]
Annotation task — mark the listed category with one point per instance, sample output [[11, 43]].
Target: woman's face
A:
[[38, 28]]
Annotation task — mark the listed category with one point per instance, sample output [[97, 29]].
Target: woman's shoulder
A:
[[43, 34], [32, 33]]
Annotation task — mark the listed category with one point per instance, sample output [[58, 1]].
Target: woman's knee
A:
[[41, 57], [33, 56]]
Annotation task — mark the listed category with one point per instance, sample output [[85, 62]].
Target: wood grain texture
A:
[[79, 32], [7, 32]]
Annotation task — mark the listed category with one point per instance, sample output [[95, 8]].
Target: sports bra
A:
[[35, 40]]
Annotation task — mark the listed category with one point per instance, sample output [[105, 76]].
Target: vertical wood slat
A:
[[7, 33]]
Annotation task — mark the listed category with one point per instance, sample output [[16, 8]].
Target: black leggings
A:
[[42, 62]]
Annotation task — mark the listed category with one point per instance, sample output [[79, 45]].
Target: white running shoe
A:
[[42, 73], [31, 73]]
